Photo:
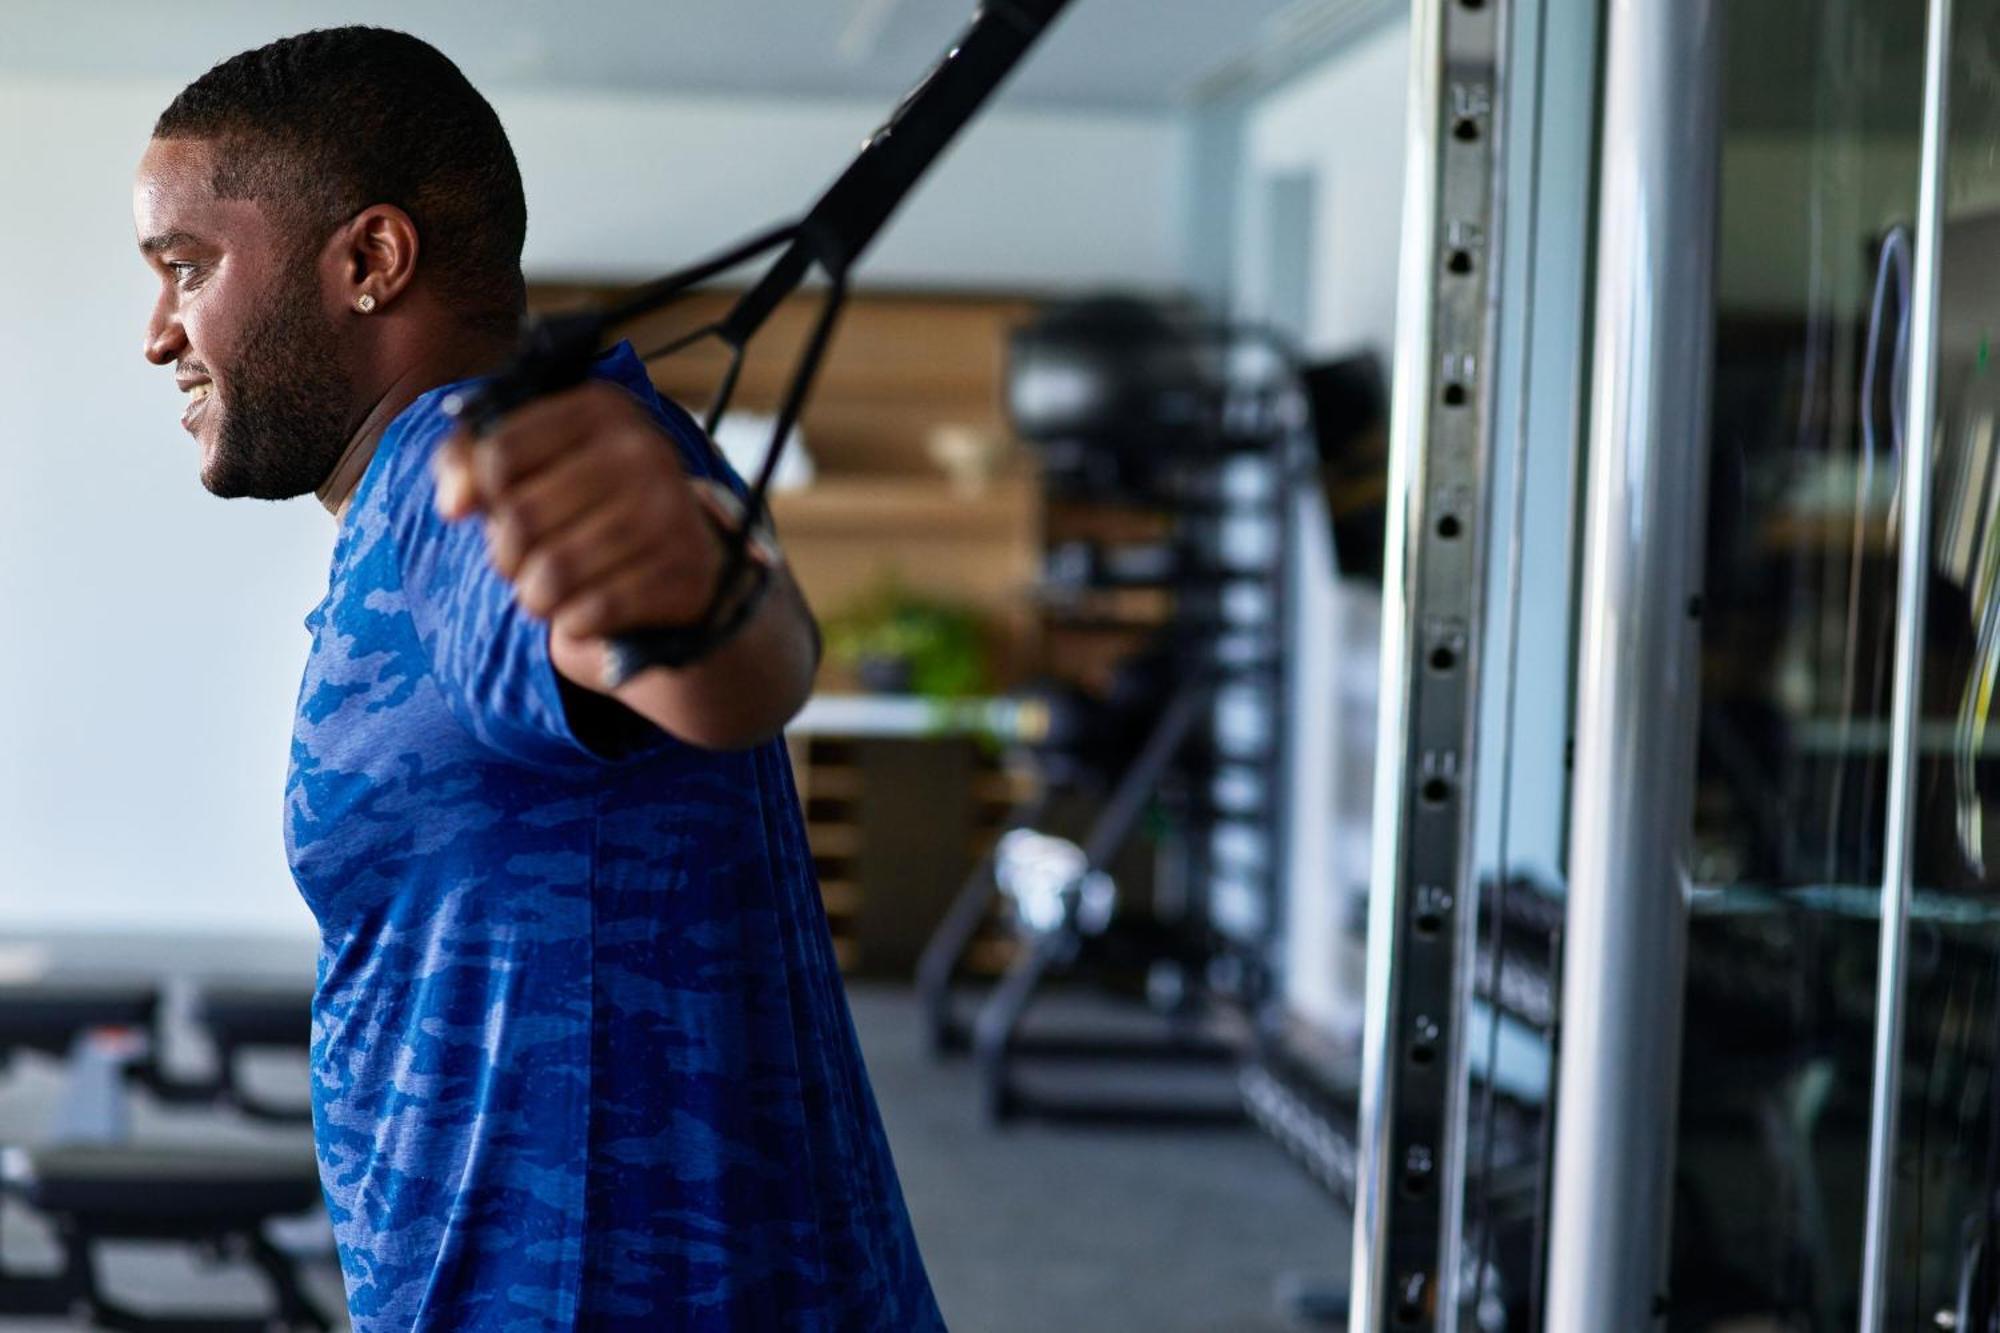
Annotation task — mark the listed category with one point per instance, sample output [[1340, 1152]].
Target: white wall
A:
[[1341, 125], [153, 635], [153, 638], [1028, 198]]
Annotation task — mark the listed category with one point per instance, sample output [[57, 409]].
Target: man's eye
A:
[[181, 269]]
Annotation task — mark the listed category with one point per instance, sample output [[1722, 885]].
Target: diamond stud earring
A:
[[365, 304]]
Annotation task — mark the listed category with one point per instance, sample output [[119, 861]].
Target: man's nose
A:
[[166, 340]]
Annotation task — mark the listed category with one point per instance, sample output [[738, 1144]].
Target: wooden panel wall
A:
[[900, 368]]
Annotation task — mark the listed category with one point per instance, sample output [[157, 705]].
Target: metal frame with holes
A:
[[1421, 911]]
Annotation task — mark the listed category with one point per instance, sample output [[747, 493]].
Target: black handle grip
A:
[[555, 354]]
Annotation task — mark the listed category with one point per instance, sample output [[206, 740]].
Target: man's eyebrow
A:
[[167, 240]]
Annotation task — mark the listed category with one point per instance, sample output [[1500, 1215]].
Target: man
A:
[[581, 1058]]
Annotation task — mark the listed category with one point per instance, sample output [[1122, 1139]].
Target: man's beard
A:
[[284, 422]]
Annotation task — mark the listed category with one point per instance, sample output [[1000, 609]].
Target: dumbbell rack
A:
[[1206, 540]]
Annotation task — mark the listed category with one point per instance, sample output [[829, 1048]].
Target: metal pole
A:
[[1409, 410], [1913, 568], [1422, 904], [1638, 676]]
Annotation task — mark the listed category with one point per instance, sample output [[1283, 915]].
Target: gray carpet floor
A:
[[1034, 1228], [1039, 1228]]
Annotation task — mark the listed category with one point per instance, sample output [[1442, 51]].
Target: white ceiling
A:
[[1138, 55]]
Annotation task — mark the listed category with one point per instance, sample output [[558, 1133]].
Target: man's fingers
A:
[[541, 508], [452, 466], [576, 558], [543, 431], [640, 593]]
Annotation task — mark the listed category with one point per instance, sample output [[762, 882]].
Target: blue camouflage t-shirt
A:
[[581, 1057]]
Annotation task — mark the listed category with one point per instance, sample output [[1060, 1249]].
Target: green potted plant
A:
[[895, 641]]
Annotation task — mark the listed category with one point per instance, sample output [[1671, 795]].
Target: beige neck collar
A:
[[338, 488]]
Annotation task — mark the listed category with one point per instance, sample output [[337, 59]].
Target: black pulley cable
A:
[[556, 351]]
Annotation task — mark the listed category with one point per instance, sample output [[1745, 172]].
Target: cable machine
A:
[[1561, 1105]]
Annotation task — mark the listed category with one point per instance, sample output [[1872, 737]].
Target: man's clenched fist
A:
[[589, 513]]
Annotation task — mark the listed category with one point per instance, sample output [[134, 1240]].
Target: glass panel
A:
[[1942, 1273], [1541, 367], [1818, 189]]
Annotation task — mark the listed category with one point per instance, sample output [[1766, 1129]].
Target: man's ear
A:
[[376, 257]]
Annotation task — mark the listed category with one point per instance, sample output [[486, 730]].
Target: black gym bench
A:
[[217, 1199]]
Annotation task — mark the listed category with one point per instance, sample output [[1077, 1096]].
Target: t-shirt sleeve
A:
[[490, 657]]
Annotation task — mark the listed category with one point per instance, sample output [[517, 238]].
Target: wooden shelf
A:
[[905, 508], [898, 823], [847, 536], [835, 783], [1002, 788], [899, 366], [832, 840]]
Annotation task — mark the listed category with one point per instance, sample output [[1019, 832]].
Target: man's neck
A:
[[479, 358]]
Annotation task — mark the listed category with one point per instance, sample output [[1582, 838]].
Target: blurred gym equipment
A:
[[1151, 410]]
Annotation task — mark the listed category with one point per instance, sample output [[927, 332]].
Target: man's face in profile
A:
[[243, 320]]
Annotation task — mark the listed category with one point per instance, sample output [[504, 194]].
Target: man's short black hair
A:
[[319, 126]]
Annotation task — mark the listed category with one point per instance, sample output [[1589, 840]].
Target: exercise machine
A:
[[1201, 427]]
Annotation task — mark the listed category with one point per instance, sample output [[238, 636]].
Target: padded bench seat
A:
[[120, 1190], [220, 1198], [238, 1014], [50, 1015], [242, 1016]]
